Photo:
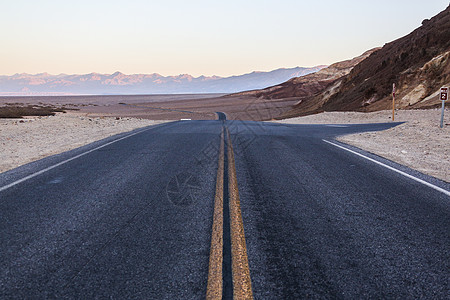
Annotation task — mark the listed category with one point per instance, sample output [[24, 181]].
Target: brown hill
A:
[[299, 91], [418, 63], [309, 85]]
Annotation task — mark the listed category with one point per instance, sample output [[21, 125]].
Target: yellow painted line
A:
[[214, 287], [242, 284]]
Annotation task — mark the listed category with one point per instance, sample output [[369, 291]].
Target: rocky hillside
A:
[[304, 89], [418, 64]]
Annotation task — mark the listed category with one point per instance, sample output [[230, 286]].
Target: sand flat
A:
[[30, 139]]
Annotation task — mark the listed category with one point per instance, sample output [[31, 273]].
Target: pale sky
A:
[[197, 37]]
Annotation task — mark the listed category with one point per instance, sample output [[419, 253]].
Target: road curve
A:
[[221, 116], [132, 217]]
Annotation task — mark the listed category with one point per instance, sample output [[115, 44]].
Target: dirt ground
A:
[[30, 139], [164, 107], [94, 118], [419, 143]]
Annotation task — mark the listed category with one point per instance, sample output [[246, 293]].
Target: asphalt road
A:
[[131, 217]]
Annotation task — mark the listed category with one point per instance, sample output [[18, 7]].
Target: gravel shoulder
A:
[[26, 140], [419, 143]]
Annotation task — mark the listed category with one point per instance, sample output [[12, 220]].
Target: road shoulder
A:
[[419, 143]]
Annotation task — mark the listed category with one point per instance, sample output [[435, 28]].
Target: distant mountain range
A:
[[119, 83]]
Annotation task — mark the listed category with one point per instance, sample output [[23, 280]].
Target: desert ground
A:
[[163, 107], [419, 143], [26, 140]]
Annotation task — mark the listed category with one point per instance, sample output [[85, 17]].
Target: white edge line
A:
[[3, 188], [338, 126], [393, 169]]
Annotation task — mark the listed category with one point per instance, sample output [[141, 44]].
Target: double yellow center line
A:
[[242, 288]]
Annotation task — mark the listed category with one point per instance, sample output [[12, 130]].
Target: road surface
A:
[[294, 217]]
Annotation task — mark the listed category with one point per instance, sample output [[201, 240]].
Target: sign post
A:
[[393, 101], [444, 97]]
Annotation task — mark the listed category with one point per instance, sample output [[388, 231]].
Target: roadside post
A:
[[444, 97], [393, 101]]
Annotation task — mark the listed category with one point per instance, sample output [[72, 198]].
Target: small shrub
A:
[[13, 112]]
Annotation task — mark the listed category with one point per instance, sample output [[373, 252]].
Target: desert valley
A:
[[418, 63], [328, 180]]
